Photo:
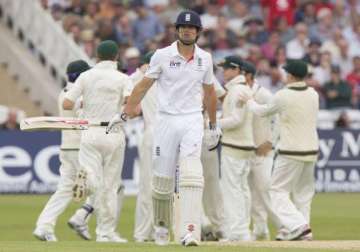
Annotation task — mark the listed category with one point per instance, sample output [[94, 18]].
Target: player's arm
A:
[[73, 94], [137, 95], [210, 102], [272, 107], [236, 116]]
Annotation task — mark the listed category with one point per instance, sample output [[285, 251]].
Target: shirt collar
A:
[[240, 79], [106, 64], [296, 84], [175, 51]]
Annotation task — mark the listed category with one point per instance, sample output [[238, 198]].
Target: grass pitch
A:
[[335, 217]]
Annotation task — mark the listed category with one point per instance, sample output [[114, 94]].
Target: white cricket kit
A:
[[260, 168], [143, 229], [293, 173], [101, 155], [178, 133], [237, 150], [70, 142], [212, 196]]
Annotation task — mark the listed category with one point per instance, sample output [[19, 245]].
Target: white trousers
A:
[[102, 156], [213, 203], [236, 194], [259, 183], [144, 210], [176, 137], [295, 179], [63, 194]]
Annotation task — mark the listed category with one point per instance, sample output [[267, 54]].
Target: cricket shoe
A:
[[308, 237], [298, 234], [189, 240], [79, 188], [80, 227], [161, 236], [114, 237], [43, 235]]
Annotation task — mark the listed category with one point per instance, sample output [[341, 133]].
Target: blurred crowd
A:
[[325, 33]]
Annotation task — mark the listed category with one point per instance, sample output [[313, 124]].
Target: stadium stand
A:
[[324, 33]]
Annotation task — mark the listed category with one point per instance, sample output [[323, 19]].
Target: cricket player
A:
[[70, 141], [237, 151], [261, 165], [213, 217], [293, 174], [183, 73], [101, 155], [144, 227], [79, 221]]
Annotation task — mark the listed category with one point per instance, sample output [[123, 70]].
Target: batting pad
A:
[[163, 189], [191, 184]]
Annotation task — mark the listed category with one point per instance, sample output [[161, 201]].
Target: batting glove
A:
[[212, 136], [117, 119]]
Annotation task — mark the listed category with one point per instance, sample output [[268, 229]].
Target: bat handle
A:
[[104, 123]]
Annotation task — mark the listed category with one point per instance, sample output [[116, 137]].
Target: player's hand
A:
[[244, 97], [264, 149], [117, 119], [212, 137]]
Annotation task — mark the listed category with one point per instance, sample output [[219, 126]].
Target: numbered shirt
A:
[[180, 81]]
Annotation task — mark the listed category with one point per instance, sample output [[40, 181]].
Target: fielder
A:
[[293, 174], [183, 72], [144, 227], [70, 141], [237, 151], [261, 165], [213, 217], [101, 155]]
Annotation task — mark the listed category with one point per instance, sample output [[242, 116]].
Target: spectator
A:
[[106, 30], [123, 30], [107, 10], [222, 38], [268, 49], [344, 59], [274, 9], [256, 33], [354, 80], [147, 26], [276, 82], [322, 72], [132, 56], [313, 55], [168, 16], [91, 16], [236, 12], [76, 7], [324, 28], [11, 121], [242, 48], [209, 19], [286, 32], [296, 48], [337, 91], [306, 14]]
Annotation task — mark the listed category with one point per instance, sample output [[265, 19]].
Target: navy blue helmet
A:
[[188, 17]]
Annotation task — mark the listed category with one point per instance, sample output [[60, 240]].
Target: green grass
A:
[[334, 217]]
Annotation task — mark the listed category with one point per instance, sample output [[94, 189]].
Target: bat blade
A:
[[53, 123]]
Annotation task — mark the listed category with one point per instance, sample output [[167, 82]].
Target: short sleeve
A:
[[219, 90], [154, 70], [77, 90], [209, 74]]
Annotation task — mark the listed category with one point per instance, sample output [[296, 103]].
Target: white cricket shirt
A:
[[103, 89], [179, 82]]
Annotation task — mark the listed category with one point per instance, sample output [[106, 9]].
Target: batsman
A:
[[184, 77]]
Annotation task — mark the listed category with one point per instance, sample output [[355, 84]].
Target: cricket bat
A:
[[58, 123], [176, 208]]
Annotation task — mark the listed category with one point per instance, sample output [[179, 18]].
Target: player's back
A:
[[103, 89]]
